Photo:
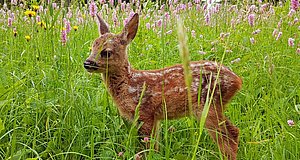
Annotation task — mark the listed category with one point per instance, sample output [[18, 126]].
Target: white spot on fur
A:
[[131, 89]]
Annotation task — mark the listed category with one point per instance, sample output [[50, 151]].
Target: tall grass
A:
[[51, 108]]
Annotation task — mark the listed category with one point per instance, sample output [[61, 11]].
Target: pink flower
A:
[[137, 157], [68, 26], [278, 36], [123, 6], [9, 22], [146, 139], [125, 21], [290, 122], [207, 18], [93, 9], [63, 37], [120, 154], [296, 20], [159, 22], [54, 5], [251, 19], [111, 2], [298, 51], [279, 23], [38, 18], [291, 42], [275, 32], [148, 26], [252, 8], [291, 12], [295, 4]]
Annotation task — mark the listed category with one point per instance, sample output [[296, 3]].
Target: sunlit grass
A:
[[51, 108]]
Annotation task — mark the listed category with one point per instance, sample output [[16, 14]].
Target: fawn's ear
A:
[[131, 28], [102, 26]]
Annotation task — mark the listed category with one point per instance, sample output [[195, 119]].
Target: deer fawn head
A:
[[109, 50]]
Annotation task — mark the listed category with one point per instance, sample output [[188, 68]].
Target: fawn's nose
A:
[[89, 64]]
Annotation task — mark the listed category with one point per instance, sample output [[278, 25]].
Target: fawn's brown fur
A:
[[164, 87]]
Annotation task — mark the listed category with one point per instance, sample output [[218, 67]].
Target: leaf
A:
[[1, 125], [297, 107], [31, 158]]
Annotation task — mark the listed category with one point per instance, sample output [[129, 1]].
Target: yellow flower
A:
[[27, 38], [15, 33], [75, 28], [35, 7], [42, 24], [30, 13]]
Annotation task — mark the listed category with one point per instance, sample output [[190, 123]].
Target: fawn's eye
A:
[[105, 54]]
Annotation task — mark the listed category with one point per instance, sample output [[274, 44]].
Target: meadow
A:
[[52, 108]]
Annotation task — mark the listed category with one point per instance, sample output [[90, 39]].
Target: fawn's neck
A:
[[117, 80]]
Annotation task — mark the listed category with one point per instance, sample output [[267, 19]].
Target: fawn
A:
[[163, 87]]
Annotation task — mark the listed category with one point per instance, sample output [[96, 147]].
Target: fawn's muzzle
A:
[[90, 65]]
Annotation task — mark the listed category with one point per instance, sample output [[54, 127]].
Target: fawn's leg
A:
[[150, 128], [223, 132]]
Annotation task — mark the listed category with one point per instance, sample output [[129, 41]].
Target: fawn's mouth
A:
[[90, 66]]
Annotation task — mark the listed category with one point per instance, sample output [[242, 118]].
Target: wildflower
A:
[[30, 13], [252, 8], [14, 2], [35, 7], [193, 33], [63, 36], [291, 42], [295, 5], [93, 9], [148, 25], [42, 24], [75, 28], [146, 139], [102, 1], [120, 154], [236, 60], [202, 52], [125, 21], [296, 20], [278, 36], [251, 19], [69, 14], [38, 18], [9, 22], [137, 157], [159, 22], [290, 122], [27, 38], [228, 51], [169, 32], [291, 12], [54, 5], [256, 31], [207, 18], [275, 32], [15, 32], [111, 2], [298, 51], [252, 40], [68, 26]]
